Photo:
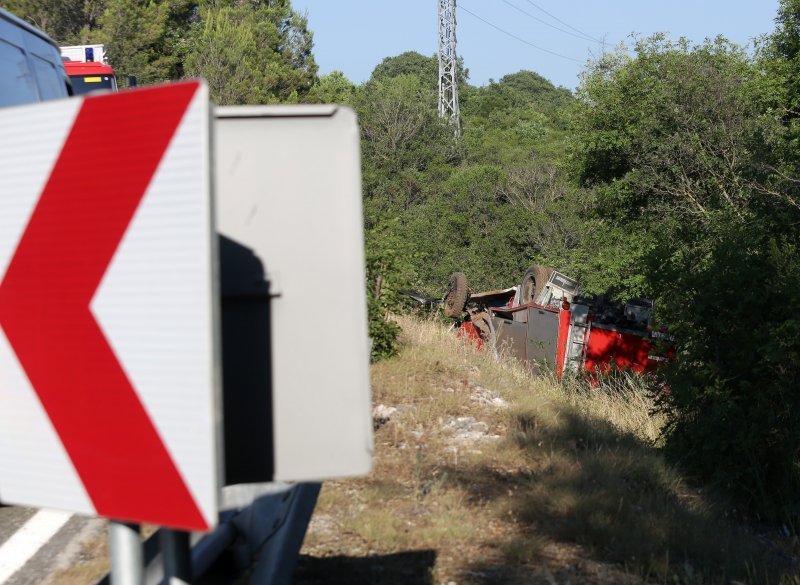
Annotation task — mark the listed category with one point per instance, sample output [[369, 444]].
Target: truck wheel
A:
[[533, 282], [456, 297]]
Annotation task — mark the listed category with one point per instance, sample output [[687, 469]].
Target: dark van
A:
[[30, 64]]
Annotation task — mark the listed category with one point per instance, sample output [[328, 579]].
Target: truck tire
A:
[[456, 297], [533, 282]]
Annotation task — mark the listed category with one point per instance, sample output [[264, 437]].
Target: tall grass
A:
[[578, 465]]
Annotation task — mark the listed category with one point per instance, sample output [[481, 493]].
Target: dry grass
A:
[[91, 562], [572, 489]]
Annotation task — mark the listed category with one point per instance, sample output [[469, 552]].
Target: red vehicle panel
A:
[[610, 348], [469, 332], [594, 348]]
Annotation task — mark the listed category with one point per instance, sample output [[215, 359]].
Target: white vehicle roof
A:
[[78, 53]]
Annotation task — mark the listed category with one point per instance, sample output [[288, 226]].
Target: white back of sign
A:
[[289, 189]]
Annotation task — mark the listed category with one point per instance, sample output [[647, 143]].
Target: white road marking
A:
[[26, 542]]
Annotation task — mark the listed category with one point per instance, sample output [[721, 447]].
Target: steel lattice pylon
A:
[[448, 66]]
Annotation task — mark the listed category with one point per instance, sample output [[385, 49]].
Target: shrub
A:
[[382, 332]]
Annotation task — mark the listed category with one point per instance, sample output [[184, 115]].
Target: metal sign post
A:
[[127, 556], [177, 554]]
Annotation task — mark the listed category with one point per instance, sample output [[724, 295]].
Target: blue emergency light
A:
[[89, 54]]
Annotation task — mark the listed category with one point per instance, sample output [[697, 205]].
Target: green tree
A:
[[468, 224], [779, 57], [224, 53], [515, 121], [779, 54], [256, 52], [67, 21], [400, 125], [414, 63], [680, 148], [146, 38], [488, 205], [666, 141], [409, 63], [333, 88]]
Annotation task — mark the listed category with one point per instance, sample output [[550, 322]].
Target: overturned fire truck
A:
[[546, 324]]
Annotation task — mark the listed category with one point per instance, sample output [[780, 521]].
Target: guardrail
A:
[[265, 536]]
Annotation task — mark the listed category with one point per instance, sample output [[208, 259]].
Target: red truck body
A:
[[566, 337]]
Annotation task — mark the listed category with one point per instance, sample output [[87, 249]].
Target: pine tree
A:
[[256, 52]]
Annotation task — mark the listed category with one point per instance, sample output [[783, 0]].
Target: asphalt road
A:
[[11, 519], [36, 543]]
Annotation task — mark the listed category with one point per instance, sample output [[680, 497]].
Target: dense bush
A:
[[383, 332], [680, 147]]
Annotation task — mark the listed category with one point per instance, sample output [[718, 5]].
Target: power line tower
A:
[[448, 66]]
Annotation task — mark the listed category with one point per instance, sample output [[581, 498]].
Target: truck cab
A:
[[30, 64], [88, 77], [87, 68]]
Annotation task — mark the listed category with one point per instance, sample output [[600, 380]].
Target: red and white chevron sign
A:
[[107, 377]]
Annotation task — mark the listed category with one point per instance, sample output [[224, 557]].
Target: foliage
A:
[[252, 52], [249, 52], [225, 55], [383, 332], [333, 88], [390, 269], [734, 399], [470, 227], [409, 63], [66, 21], [458, 206], [137, 36], [418, 65], [400, 128], [433, 205], [679, 146]]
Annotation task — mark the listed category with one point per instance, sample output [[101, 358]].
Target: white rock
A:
[[458, 423], [488, 397], [383, 412], [467, 437]]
